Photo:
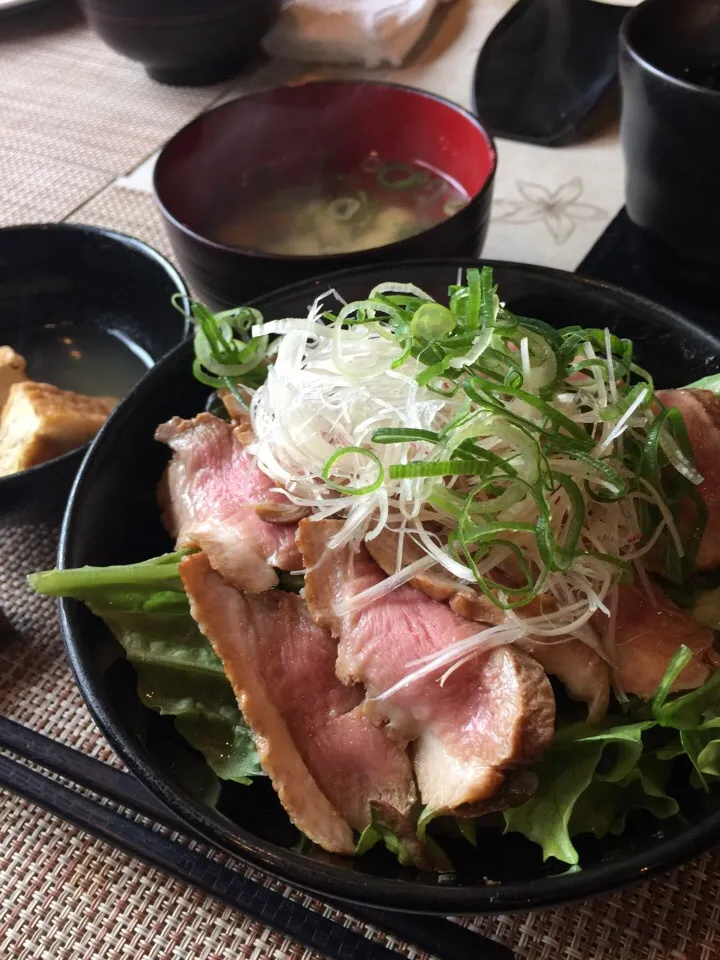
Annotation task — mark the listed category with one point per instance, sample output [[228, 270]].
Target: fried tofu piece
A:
[[40, 422], [12, 370]]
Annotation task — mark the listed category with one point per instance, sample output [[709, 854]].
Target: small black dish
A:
[[110, 293], [506, 872], [545, 67]]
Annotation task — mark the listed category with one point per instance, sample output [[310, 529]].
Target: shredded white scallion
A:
[[334, 384]]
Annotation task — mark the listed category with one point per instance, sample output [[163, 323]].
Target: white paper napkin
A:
[[370, 32]]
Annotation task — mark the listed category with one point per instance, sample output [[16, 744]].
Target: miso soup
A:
[[378, 204]]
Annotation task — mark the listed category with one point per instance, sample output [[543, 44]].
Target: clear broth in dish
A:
[[84, 358]]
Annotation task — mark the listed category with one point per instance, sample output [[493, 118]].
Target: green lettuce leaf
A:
[[566, 772], [408, 843], [706, 383], [592, 778], [178, 673]]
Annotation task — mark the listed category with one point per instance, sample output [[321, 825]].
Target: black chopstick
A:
[[434, 935], [86, 772]]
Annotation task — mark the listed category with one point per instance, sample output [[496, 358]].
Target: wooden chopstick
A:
[[434, 935]]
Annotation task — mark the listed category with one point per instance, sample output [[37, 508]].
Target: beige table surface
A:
[[79, 127]]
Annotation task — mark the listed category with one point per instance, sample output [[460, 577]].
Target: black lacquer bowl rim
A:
[[325, 878], [16, 481]]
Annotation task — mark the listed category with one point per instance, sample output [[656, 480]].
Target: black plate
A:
[[112, 520], [545, 67], [95, 279]]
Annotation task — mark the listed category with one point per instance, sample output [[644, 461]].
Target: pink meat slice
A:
[[649, 631], [209, 496], [325, 757], [700, 410], [495, 711], [583, 672]]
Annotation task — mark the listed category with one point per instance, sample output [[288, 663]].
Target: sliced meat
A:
[[447, 781], [700, 410], [495, 711], [239, 415], [326, 759], [208, 498], [272, 512], [438, 584], [647, 636], [582, 671]]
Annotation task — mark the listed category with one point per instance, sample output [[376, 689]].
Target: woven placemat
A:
[[74, 115]]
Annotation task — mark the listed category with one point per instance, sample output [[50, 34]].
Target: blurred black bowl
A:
[[58, 281], [259, 144], [184, 42]]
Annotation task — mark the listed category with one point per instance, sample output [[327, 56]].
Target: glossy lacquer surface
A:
[[504, 872]]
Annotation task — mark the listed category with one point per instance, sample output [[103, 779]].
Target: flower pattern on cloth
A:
[[559, 209]]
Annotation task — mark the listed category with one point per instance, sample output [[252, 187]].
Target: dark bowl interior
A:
[[681, 39], [183, 42], [300, 135], [504, 873], [64, 287]]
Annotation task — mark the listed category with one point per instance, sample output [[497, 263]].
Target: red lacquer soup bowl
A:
[[419, 151]]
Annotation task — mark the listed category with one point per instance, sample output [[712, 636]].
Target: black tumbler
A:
[[670, 129]]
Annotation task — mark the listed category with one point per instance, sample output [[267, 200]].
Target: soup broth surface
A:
[[378, 204]]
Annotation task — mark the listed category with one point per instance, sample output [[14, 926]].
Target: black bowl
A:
[[297, 135], [506, 872], [96, 280], [183, 42]]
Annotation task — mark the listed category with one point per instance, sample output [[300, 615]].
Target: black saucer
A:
[[625, 257], [545, 67]]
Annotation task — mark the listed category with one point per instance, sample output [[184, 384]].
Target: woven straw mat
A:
[[74, 116]]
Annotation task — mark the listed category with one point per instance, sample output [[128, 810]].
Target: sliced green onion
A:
[[567, 551], [412, 178], [343, 488], [474, 295], [443, 387], [435, 468], [432, 321], [403, 435], [372, 307], [433, 371], [549, 412], [616, 410]]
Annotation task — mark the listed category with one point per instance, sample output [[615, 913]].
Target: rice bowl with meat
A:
[[441, 562]]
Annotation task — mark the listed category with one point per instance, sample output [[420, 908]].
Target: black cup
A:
[[670, 75]]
